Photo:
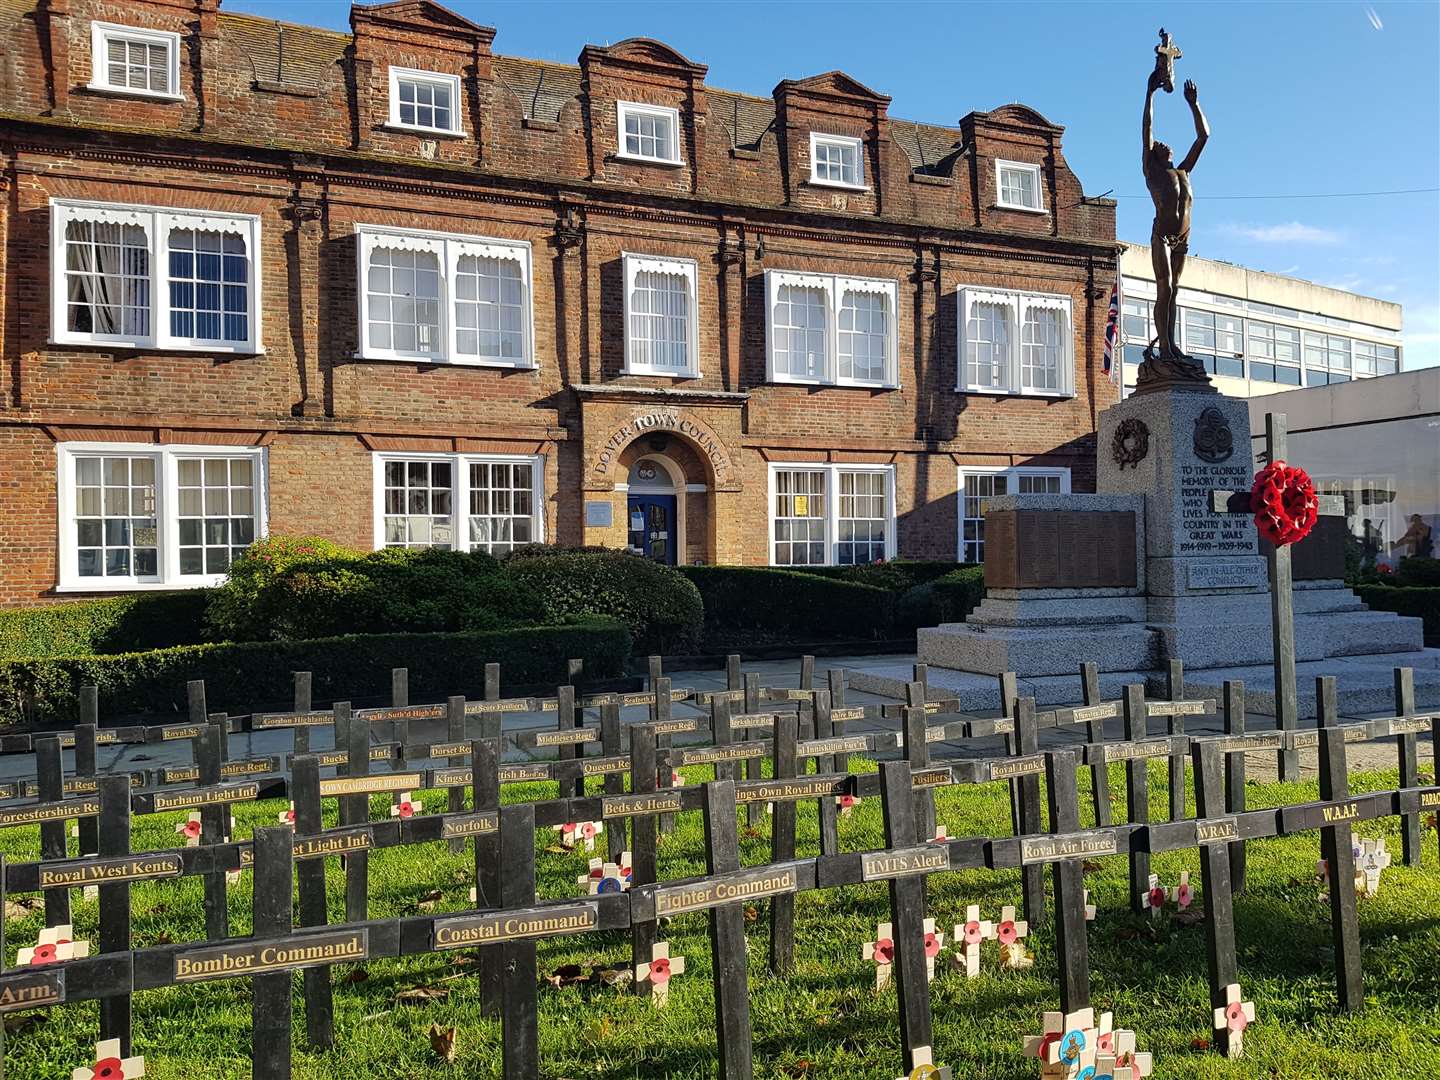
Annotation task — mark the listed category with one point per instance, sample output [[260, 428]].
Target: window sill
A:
[[1020, 209], [424, 132], [131, 92], [130, 345], [635, 159], [775, 380], [837, 185], [995, 391], [437, 361], [108, 586], [656, 373]]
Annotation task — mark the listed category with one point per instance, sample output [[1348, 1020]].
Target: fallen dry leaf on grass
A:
[[442, 1041], [566, 975], [357, 975], [18, 909], [418, 995], [23, 1022], [429, 900]]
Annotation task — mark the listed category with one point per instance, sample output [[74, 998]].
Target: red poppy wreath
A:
[[1284, 502]]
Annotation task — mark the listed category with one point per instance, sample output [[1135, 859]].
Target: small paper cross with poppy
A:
[[588, 831], [881, 952], [603, 878], [53, 947], [287, 817], [190, 828], [1182, 894], [1155, 897], [658, 972], [846, 803], [1068, 1044], [933, 944], [925, 1067], [1122, 1062], [109, 1065], [405, 806], [971, 934], [1233, 1018], [1011, 933]]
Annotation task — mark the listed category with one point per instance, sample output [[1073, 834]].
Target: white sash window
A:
[[660, 317], [831, 515], [129, 60], [145, 277], [1015, 343], [830, 330], [460, 502], [443, 298]]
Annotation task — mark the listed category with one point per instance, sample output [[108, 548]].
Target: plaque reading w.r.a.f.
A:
[[258, 957], [726, 889], [549, 921], [1217, 830], [923, 859], [31, 989], [366, 785], [78, 872], [659, 802]]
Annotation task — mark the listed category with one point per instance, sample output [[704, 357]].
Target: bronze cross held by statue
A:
[[1166, 53], [1282, 598]]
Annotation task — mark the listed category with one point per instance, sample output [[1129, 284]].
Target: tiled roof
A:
[[747, 119], [13, 10], [543, 88], [283, 53]]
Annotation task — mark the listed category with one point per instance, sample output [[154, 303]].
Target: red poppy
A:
[[1183, 895], [1006, 933], [660, 970], [972, 933], [847, 801], [932, 945], [1105, 1044], [407, 809], [588, 830], [108, 1069], [44, 954], [1235, 1016], [1157, 897], [1050, 1039], [884, 951], [192, 829]]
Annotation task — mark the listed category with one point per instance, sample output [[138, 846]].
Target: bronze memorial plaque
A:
[[1059, 549]]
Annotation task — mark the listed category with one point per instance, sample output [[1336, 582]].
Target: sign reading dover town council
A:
[[663, 420]]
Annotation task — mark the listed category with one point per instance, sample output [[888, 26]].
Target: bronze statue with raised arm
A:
[[1165, 365]]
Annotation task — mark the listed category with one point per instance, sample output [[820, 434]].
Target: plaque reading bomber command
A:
[[309, 950]]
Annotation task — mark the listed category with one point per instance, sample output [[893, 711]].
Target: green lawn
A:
[[825, 1020]]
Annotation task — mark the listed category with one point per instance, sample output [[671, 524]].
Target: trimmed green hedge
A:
[[752, 604], [111, 625], [1420, 601], [240, 677], [661, 607], [897, 575], [950, 598]]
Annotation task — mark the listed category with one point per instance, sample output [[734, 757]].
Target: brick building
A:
[[392, 287]]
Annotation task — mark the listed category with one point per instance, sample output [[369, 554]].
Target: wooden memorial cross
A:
[[485, 807], [114, 842], [1068, 876], [455, 732], [1234, 777], [87, 735], [1336, 840], [643, 840], [755, 811], [905, 865], [271, 1007], [353, 736], [310, 876], [566, 719], [1407, 745], [917, 753], [398, 730], [826, 728], [1282, 598], [727, 938], [214, 828], [1096, 715], [612, 745], [660, 715], [782, 844], [50, 781], [1175, 725], [1027, 744], [519, 1019], [1137, 794], [1215, 829]]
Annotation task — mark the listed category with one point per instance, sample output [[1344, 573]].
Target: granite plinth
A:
[[1051, 650]]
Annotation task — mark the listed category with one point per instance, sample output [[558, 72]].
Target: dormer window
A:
[[649, 133], [128, 60], [1017, 186], [835, 161], [425, 101]]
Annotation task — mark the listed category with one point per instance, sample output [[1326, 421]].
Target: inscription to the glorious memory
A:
[[1202, 531], [470, 930], [218, 962]]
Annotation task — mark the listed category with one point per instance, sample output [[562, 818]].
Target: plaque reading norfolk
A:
[[904, 861], [309, 950], [726, 889], [468, 930], [470, 825], [29, 989], [100, 872]]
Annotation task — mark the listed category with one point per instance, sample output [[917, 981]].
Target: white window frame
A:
[[845, 142], [167, 521], [101, 33], [834, 287], [671, 116], [1018, 304], [448, 248], [156, 222], [633, 264], [460, 492], [1010, 471], [832, 473], [1034, 170], [434, 78]]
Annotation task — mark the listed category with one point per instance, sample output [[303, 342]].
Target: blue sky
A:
[[1303, 99]]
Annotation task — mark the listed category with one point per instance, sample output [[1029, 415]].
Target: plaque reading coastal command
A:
[[904, 861], [468, 930], [29, 989], [726, 889], [256, 958]]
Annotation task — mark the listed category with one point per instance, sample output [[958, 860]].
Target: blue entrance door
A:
[[652, 527]]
